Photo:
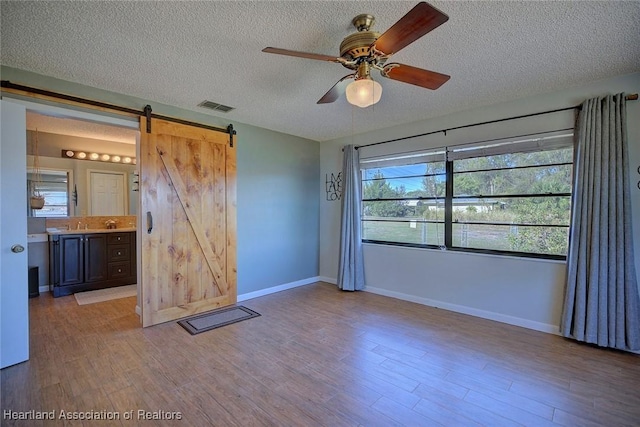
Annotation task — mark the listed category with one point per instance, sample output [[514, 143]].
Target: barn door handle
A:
[[149, 222]]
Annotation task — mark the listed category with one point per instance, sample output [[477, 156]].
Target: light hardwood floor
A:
[[316, 356]]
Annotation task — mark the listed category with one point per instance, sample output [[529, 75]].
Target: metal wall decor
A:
[[135, 182], [333, 186]]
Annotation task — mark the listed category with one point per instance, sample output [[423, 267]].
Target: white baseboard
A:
[[279, 288], [503, 318], [256, 294], [328, 280]]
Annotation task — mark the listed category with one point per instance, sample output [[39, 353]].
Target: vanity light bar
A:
[[98, 157]]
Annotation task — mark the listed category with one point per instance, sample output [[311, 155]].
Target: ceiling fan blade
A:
[[415, 24], [306, 55], [415, 76], [336, 91]]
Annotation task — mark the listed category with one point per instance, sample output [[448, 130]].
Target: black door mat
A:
[[216, 319]]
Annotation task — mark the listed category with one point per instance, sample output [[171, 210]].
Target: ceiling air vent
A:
[[215, 106]]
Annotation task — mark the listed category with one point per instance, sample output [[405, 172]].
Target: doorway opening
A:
[[69, 180]]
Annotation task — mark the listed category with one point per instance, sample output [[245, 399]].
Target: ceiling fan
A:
[[366, 50]]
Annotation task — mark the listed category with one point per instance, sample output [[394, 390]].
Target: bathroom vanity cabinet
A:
[[95, 259]]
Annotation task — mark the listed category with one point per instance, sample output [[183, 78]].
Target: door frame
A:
[[63, 111]]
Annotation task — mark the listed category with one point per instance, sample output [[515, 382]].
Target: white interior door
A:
[[14, 289], [107, 193]]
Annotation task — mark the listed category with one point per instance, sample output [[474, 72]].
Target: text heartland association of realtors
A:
[[139, 414]]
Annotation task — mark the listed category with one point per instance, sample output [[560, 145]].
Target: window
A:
[[506, 197], [53, 186], [404, 203]]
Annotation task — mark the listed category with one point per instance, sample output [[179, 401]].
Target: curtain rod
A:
[[631, 97], [6, 84]]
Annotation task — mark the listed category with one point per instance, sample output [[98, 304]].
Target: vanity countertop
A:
[[90, 230]]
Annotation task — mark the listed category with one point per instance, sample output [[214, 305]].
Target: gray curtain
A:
[[351, 264], [601, 298]]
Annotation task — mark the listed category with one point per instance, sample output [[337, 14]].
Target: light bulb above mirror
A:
[[98, 157]]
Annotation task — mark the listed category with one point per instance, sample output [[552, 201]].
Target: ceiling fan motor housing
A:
[[357, 45]]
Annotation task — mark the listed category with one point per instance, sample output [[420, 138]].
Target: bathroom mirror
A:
[[94, 187], [83, 188]]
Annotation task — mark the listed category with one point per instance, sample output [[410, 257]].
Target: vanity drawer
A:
[[119, 269], [118, 253], [118, 238]]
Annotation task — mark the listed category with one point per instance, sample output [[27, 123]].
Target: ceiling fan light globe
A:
[[363, 92]]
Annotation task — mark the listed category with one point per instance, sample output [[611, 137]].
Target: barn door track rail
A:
[[34, 92]]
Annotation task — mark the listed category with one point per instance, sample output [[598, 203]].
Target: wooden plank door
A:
[[188, 235]]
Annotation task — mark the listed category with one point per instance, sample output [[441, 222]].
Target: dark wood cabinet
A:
[[71, 255], [95, 257], [81, 262]]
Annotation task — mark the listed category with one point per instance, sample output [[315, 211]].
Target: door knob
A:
[[17, 249]]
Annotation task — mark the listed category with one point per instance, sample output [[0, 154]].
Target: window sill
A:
[[469, 253]]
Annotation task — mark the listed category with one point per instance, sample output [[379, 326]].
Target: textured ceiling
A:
[[181, 53], [80, 128]]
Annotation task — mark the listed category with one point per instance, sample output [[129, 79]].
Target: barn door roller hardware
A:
[[147, 112], [232, 132]]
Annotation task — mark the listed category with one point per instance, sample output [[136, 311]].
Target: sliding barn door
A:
[[188, 235]]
